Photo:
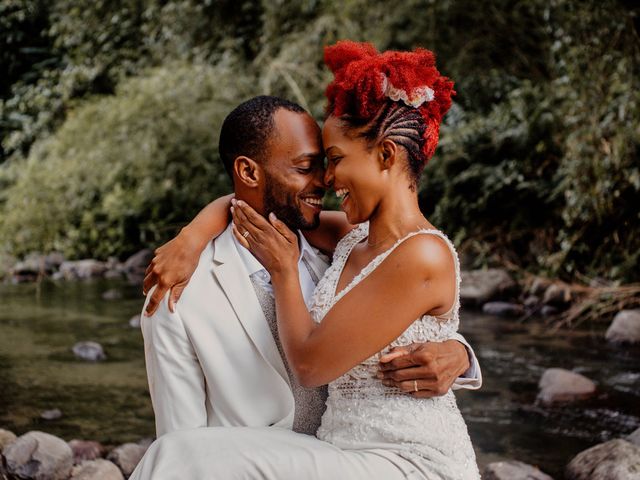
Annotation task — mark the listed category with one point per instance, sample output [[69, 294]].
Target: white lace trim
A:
[[414, 98]]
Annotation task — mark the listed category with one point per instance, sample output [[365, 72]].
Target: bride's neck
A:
[[396, 216]]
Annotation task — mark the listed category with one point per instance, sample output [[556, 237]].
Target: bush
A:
[[125, 170]]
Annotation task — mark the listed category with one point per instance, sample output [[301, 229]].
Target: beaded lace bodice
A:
[[362, 411]]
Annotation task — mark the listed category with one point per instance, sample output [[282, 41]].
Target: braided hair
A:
[[393, 95]]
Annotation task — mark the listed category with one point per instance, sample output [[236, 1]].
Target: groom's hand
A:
[[429, 367]]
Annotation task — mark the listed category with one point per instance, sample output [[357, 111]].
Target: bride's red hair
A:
[[362, 77]]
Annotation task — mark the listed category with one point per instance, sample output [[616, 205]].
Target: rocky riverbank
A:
[[53, 265], [617, 459], [40, 456]]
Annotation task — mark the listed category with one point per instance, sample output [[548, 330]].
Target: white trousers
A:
[[244, 453]]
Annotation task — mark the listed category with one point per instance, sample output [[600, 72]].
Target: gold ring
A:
[[415, 385], [245, 234]]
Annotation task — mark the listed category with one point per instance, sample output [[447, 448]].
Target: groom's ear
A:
[[247, 171]]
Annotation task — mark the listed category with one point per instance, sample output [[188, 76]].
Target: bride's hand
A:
[[271, 242], [171, 268]]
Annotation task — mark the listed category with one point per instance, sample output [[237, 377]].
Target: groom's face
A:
[[294, 171]]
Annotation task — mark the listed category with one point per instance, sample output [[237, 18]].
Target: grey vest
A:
[[309, 402]]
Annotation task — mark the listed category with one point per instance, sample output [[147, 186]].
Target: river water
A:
[[109, 401]]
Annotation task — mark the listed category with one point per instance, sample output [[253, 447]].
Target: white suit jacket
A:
[[214, 361]]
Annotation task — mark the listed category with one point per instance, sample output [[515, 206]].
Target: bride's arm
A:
[[175, 261], [365, 320]]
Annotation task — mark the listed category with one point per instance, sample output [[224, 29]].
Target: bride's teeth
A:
[[342, 192]]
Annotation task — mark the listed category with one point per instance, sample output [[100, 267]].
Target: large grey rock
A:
[[625, 327], [613, 460], [503, 309], [85, 450], [89, 351], [558, 385], [513, 470], [96, 470], [6, 437], [36, 263], [634, 437], [480, 286], [127, 456], [81, 269], [39, 456], [137, 263]]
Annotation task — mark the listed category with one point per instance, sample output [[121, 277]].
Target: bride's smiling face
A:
[[353, 170]]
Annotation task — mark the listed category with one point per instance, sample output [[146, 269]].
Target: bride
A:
[[394, 280]]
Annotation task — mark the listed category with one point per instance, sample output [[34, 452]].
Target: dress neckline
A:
[[372, 264]]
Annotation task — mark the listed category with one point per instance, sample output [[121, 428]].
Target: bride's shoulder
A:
[[430, 251]]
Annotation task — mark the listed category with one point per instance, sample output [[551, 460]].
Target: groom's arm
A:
[[176, 381], [434, 366]]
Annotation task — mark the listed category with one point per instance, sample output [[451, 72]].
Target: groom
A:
[[217, 359]]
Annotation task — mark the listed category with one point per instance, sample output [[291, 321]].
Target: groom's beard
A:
[[287, 207]]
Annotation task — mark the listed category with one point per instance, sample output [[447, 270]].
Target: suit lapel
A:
[[235, 282]]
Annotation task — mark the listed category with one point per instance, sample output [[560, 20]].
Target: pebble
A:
[[89, 351], [6, 437], [52, 414], [81, 269], [138, 262], [513, 470], [548, 311], [85, 450], [503, 309], [625, 327], [558, 385], [38, 456], [634, 437], [112, 294], [480, 286], [127, 456], [96, 470], [134, 322], [557, 294]]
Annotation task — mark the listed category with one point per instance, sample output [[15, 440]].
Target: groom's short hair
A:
[[248, 128]]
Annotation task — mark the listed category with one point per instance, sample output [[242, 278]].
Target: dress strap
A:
[[371, 266]]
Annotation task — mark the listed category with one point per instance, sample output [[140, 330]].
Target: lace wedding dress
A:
[[362, 412]]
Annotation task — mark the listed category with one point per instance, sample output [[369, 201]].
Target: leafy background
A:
[[110, 110]]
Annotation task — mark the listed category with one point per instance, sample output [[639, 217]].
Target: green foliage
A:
[[551, 174], [123, 169], [538, 157]]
